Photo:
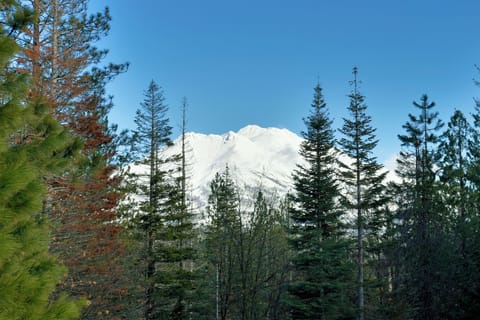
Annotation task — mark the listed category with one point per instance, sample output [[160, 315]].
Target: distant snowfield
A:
[[256, 157]]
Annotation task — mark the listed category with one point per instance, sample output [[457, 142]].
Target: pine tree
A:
[[474, 150], [87, 236], [457, 197], [418, 211], [163, 214], [60, 51], [454, 162], [323, 270], [69, 71], [32, 146], [264, 259], [246, 254], [151, 135], [177, 237], [471, 223], [221, 233], [363, 176], [174, 272]]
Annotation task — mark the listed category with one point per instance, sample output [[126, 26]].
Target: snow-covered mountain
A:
[[255, 156]]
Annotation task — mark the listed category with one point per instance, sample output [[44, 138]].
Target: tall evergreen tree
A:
[[177, 238], [363, 176], [471, 223], [69, 71], [221, 233], [454, 163], [151, 135], [474, 151], [246, 255], [32, 145], [164, 213], [418, 212], [323, 269], [461, 223]]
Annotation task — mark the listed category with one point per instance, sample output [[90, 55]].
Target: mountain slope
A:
[[255, 156]]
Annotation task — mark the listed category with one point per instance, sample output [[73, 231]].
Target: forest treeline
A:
[[83, 236]]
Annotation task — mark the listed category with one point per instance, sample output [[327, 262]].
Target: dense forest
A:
[[82, 236]]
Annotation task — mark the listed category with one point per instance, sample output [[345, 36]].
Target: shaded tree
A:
[[421, 238], [323, 270], [151, 135], [363, 177], [220, 236], [246, 252], [161, 215], [457, 197]]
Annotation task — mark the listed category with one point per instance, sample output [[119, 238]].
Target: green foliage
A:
[[68, 73], [160, 216], [458, 162], [32, 146], [221, 232], [246, 255], [323, 270], [365, 189], [421, 236], [175, 273], [153, 130]]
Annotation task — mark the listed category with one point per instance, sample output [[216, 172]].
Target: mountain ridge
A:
[[256, 157]]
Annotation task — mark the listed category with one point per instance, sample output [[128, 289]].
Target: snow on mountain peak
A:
[[255, 156], [251, 131]]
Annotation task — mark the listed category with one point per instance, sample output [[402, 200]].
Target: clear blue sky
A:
[[242, 62]]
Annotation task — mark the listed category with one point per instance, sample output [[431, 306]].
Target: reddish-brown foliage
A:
[[82, 202]]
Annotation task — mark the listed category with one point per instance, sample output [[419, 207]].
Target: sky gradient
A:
[[257, 61]]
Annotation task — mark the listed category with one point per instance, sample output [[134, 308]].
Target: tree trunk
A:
[[36, 46], [54, 47]]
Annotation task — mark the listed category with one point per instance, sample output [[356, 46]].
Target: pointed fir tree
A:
[[32, 146], [461, 223], [454, 162], [164, 214], [363, 177], [474, 147], [472, 221], [151, 135], [420, 217], [474, 151], [176, 271], [323, 270], [220, 236]]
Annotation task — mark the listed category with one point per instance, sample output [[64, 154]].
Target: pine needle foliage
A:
[[32, 145], [323, 270], [364, 181]]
